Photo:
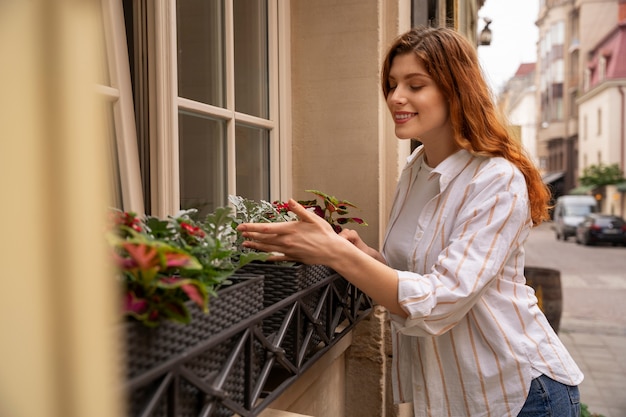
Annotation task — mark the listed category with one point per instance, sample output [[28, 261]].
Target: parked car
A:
[[601, 228], [569, 211]]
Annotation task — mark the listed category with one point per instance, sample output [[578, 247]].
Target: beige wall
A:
[[343, 143], [56, 304], [604, 141]]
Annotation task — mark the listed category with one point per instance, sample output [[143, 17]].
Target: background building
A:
[[568, 31], [602, 111]]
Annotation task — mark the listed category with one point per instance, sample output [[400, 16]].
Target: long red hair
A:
[[451, 61]]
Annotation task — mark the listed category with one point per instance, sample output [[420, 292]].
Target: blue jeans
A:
[[549, 398]]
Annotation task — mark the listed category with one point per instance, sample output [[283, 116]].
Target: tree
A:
[[600, 175]]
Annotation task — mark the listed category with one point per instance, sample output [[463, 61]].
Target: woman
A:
[[468, 336]]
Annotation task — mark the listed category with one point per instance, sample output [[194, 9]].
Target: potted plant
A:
[[181, 284], [165, 263], [283, 279], [334, 210]]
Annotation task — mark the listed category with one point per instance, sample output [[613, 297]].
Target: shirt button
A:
[[419, 234]]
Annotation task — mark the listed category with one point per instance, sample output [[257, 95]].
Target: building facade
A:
[[568, 31], [202, 99], [602, 111]]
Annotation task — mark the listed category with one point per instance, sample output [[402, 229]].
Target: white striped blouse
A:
[[475, 336]]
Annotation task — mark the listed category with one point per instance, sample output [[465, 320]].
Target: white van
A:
[[569, 211]]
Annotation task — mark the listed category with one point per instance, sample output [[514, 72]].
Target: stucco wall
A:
[[604, 140], [342, 141]]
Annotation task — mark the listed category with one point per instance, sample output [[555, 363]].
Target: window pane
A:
[[251, 60], [202, 148], [253, 162], [200, 26]]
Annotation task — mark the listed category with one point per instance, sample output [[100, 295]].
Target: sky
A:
[[514, 38]]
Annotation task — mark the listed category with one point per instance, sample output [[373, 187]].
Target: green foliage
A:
[[251, 211], [584, 411], [164, 263], [334, 210], [600, 175]]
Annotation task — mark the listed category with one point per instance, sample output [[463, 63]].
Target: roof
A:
[[525, 69], [613, 48]]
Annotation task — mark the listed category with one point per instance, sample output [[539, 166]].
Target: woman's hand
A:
[[353, 237], [309, 240]]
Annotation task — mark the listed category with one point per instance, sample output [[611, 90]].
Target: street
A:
[[593, 279], [593, 321]]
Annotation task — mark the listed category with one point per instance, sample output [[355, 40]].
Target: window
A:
[[115, 88], [224, 96], [599, 130], [557, 31], [205, 83], [601, 68], [557, 71]]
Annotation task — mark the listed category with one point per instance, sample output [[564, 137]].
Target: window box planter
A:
[[234, 366], [281, 281], [166, 365]]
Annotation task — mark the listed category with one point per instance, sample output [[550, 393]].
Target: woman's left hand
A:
[[309, 240]]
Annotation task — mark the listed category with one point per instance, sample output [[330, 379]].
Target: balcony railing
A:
[[256, 361]]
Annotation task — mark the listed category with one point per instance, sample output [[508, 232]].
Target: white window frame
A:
[[165, 106], [119, 93]]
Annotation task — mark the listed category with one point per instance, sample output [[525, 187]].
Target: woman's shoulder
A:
[[478, 165], [490, 170]]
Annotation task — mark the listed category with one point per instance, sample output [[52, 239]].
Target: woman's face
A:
[[416, 103]]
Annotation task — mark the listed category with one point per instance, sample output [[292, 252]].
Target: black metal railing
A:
[[258, 361]]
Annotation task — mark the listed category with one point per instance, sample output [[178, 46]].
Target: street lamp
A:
[[484, 38]]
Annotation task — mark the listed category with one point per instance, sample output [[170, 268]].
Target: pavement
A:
[[593, 322], [602, 358]]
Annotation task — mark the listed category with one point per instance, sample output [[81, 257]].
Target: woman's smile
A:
[[403, 117]]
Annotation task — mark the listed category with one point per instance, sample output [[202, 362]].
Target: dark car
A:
[[601, 228]]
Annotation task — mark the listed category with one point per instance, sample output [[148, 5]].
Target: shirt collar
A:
[[448, 169]]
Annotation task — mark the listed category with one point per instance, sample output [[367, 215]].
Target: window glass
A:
[[203, 167], [251, 59], [557, 108], [252, 162], [557, 71], [200, 41]]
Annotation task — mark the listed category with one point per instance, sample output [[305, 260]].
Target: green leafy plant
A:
[[251, 211], [334, 210], [163, 263], [600, 175], [584, 411]]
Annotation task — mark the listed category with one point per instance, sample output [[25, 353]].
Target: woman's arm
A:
[[313, 241]]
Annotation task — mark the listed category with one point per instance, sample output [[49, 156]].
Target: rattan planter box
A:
[[281, 281], [165, 363]]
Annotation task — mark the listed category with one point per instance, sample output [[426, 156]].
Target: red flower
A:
[[192, 230]]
